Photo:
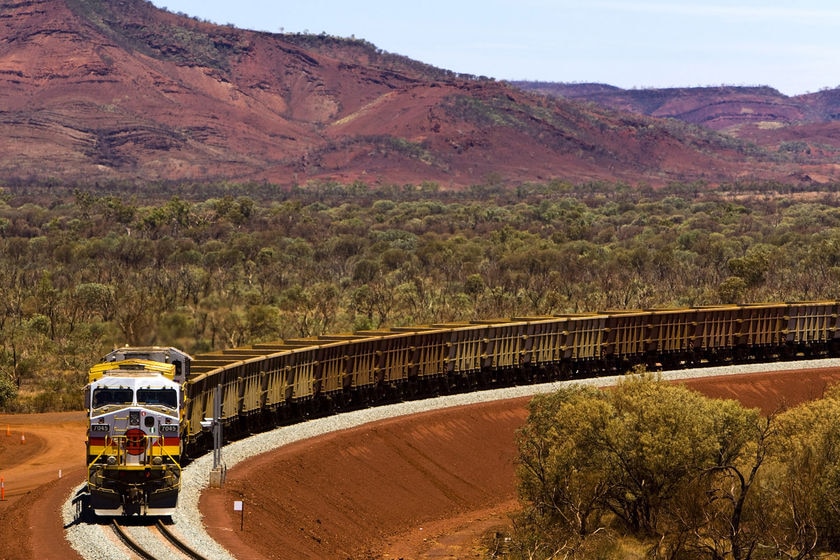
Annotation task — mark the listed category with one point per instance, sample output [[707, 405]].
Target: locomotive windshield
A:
[[162, 397], [107, 396]]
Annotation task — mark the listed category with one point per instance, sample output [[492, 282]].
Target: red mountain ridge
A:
[[119, 90]]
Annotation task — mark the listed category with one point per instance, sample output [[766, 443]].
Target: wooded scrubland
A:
[[84, 269], [684, 476]]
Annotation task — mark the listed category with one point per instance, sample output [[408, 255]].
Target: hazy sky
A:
[[792, 45]]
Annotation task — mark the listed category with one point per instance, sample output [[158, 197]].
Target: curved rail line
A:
[[141, 551], [130, 542], [265, 385], [178, 542]]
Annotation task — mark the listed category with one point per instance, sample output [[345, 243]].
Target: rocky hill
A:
[[804, 125], [121, 90]]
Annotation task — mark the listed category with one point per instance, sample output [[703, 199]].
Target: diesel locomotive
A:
[[135, 404]]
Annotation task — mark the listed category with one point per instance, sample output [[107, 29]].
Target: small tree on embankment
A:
[[685, 476]]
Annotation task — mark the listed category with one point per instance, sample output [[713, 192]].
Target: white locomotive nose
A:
[[133, 462]]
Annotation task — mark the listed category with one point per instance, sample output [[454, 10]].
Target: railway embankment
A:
[[373, 481]]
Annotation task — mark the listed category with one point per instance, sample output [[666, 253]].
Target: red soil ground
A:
[[425, 487]]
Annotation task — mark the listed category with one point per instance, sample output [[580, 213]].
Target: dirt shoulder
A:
[[424, 487], [42, 458], [345, 494]]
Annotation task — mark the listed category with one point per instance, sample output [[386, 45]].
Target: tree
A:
[[754, 266], [803, 481], [93, 298], [657, 459], [729, 524], [661, 437], [732, 290], [8, 390], [134, 312], [564, 471]]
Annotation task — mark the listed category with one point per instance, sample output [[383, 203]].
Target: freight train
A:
[[134, 466]]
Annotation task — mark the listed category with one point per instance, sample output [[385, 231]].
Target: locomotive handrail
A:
[[98, 456]]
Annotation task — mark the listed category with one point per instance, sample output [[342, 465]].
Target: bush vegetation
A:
[[83, 269], [679, 475]]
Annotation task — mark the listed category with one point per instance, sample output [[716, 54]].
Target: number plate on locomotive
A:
[[169, 429], [100, 428]]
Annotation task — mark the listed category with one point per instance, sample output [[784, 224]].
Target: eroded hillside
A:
[[121, 90]]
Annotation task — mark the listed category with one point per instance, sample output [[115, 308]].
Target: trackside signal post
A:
[[217, 475]]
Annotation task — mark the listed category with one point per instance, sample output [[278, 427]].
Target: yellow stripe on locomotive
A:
[[135, 439], [96, 372]]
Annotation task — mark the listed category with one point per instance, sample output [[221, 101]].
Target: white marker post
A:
[[237, 506]]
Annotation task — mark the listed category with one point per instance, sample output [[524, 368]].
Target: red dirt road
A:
[[30, 516], [423, 487]]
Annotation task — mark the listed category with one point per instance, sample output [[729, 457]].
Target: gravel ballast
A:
[[90, 542]]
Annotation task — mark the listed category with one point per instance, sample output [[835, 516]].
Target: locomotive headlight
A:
[[112, 460]]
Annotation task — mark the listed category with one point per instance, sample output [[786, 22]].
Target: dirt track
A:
[[424, 487]]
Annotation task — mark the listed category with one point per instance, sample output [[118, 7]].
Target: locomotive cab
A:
[[135, 410]]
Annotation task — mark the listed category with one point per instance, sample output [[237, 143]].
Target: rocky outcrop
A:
[[119, 89]]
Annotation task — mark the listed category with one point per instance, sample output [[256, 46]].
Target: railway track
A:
[[253, 389], [154, 542], [84, 534]]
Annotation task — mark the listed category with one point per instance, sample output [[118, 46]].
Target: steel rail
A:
[[177, 542], [130, 542], [161, 528]]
